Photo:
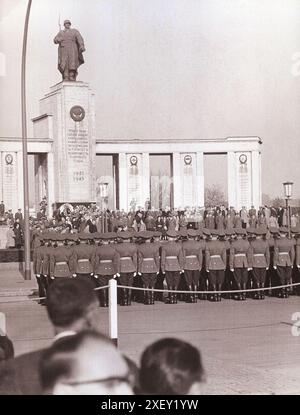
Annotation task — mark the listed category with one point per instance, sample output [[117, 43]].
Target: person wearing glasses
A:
[[87, 363]]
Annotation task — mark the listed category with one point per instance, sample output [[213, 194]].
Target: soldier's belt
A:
[[148, 259], [191, 256], [125, 257], [239, 254], [283, 253], [105, 261], [215, 256], [171, 257], [259, 254], [61, 263], [83, 260]]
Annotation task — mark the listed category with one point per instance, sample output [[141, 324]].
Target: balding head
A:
[[84, 364]]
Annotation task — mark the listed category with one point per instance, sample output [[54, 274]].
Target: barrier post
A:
[[2, 324], [113, 311]]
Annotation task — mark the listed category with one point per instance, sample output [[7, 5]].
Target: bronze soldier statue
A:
[[71, 48]]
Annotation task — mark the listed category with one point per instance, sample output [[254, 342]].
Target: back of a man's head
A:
[[6, 348], [87, 363], [171, 367], [70, 300]]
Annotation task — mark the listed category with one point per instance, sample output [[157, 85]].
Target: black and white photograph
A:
[[149, 200]]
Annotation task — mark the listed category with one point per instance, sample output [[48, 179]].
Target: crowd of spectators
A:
[[83, 361], [90, 218]]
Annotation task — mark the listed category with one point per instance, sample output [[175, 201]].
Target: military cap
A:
[[146, 234], [183, 232], [172, 234], [221, 232], [157, 234], [295, 229], [125, 234], [273, 230], [260, 231], [229, 232], [240, 231], [69, 237], [193, 233], [84, 236], [108, 235], [67, 21], [283, 229], [250, 230], [206, 232], [214, 232]]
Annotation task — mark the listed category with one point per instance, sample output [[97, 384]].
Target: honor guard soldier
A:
[[39, 267], [240, 257], [127, 268], [215, 262], [105, 261], [148, 264], [82, 257], [284, 255], [260, 260], [193, 259], [157, 235], [60, 260], [172, 264], [297, 256]]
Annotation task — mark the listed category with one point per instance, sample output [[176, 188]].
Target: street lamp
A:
[[288, 187], [103, 190], [24, 148]]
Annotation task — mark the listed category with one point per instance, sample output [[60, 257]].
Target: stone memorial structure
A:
[[69, 154]]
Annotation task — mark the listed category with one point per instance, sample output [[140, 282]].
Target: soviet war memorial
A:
[[150, 199]]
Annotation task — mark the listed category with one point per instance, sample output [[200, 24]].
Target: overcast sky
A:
[[171, 68]]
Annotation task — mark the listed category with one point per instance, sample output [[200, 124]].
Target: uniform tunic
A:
[[215, 260], [284, 255], [172, 262], [193, 260], [149, 262], [239, 259], [127, 264], [61, 262], [260, 259], [105, 262]]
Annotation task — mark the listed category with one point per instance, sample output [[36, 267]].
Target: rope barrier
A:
[[167, 291], [210, 292]]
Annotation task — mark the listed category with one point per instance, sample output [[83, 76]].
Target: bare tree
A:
[[214, 196]]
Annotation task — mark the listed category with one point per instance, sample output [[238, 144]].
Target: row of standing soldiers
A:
[[206, 260]]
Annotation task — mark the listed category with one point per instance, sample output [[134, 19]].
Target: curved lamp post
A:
[[24, 149], [288, 188]]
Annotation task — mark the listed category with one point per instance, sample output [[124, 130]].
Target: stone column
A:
[[256, 179], [177, 180], [51, 182], [72, 127], [145, 177], [123, 181], [199, 179], [232, 182]]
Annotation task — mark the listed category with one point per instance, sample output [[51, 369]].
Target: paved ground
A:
[[247, 347]]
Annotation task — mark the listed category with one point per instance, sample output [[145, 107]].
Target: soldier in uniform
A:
[[148, 264], [172, 264], [193, 259], [157, 235], [60, 260], [284, 255], [38, 261], [297, 257], [82, 258], [215, 262], [239, 260], [105, 262], [127, 267], [259, 260]]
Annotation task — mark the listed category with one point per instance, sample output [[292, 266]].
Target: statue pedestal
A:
[[68, 117]]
